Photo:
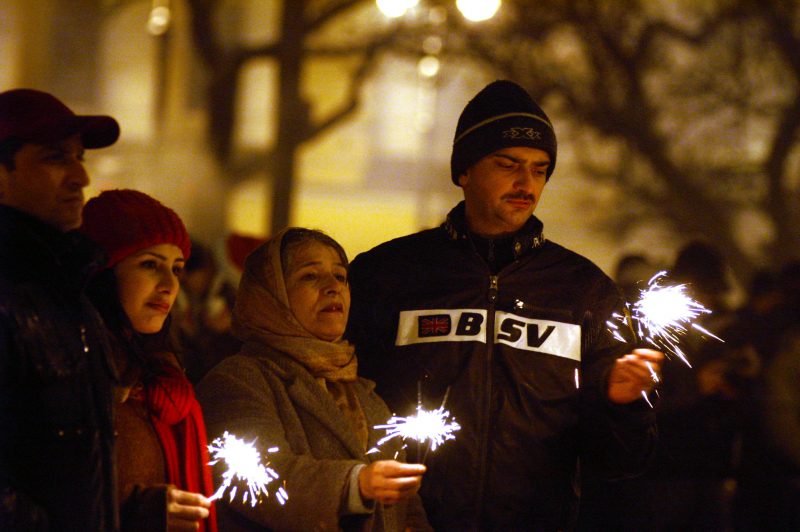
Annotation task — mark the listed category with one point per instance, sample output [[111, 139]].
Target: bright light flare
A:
[[159, 20], [244, 464], [434, 426], [478, 10], [662, 315], [395, 8]]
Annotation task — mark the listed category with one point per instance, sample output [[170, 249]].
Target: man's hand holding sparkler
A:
[[634, 375], [389, 481]]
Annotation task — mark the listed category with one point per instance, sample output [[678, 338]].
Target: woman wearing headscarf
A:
[[294, 385], [162, 471]]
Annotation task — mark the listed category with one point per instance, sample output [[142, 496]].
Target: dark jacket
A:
[[522, 356], [56, 385]]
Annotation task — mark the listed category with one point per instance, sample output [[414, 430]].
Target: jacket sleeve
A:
[[145, 509], [617, 441], [416, 518], [364, 329], [17, 510], [238, 397]]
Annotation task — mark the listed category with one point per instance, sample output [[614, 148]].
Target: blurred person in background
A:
[[631, 273], [701, 413], [56, 374], [769, 478], [162, 455], [203, 314]]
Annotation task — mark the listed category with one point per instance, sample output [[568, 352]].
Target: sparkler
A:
[[661, 316], [244, 463], [434, 426]]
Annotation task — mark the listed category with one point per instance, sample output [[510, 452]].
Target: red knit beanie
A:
[[123, 222]]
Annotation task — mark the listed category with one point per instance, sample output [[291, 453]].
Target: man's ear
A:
[[463, 178]]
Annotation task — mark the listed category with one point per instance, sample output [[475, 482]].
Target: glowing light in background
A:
[[478, 10], [160, 18], [395, 8], [428, 66]]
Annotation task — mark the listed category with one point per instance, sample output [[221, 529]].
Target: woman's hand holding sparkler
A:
[[185, 509], [389, 481], [634, 375]]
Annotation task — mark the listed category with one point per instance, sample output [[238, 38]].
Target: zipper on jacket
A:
[[487, 398], [83, 339]]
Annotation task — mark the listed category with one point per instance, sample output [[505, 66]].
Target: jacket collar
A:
[[529, 237], [29, 245]]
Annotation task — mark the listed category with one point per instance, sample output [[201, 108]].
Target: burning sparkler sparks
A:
[[244, 463], [433, 426], [661, 316]]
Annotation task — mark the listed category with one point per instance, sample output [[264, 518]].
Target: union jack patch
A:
[[436, 325]]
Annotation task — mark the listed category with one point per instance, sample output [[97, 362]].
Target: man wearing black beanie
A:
[[511, 329]]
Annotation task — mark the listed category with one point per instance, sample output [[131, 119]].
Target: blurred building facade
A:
[[382, 173]]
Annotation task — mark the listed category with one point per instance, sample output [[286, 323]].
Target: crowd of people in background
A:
[[111, 317], [729, 424]]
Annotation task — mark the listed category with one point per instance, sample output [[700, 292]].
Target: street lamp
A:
[[395, 8], [159, 18], [478, 10], [473, 10]]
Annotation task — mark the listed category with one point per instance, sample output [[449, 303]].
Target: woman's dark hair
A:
[[297, 237], [136, 347]]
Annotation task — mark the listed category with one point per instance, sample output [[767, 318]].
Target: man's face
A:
[[502, 189], [47, 182]]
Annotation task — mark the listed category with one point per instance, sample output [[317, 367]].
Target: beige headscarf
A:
[[262, 314]]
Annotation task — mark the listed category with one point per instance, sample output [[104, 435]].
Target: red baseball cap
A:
[[39, 117]]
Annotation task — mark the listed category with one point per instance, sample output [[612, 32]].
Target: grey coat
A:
[[264, 394]]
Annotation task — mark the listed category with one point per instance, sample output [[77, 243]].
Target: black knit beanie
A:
[[500, 116]]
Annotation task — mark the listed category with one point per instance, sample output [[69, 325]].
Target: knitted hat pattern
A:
[[501, 115], [124, 221]]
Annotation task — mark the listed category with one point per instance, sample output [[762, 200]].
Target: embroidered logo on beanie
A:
[[501, 115]]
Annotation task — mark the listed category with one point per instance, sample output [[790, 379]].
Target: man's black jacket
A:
[[522, 357], [56, 385]]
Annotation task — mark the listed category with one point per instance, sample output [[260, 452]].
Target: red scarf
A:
[[179, 424]]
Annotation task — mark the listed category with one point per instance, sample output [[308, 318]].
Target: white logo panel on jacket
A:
[[469, 325], [543, 336], [441, 325]]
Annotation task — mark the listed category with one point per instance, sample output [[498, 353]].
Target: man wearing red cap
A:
[[510, 328], [56, 376]]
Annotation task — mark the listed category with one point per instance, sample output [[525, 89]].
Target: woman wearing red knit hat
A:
[[163, 476]]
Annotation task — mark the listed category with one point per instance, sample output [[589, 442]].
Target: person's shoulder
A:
[[253, 362], [560, 255], [373, 402], [231, 367], [576, 269], [408, 244], [399, 253]]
